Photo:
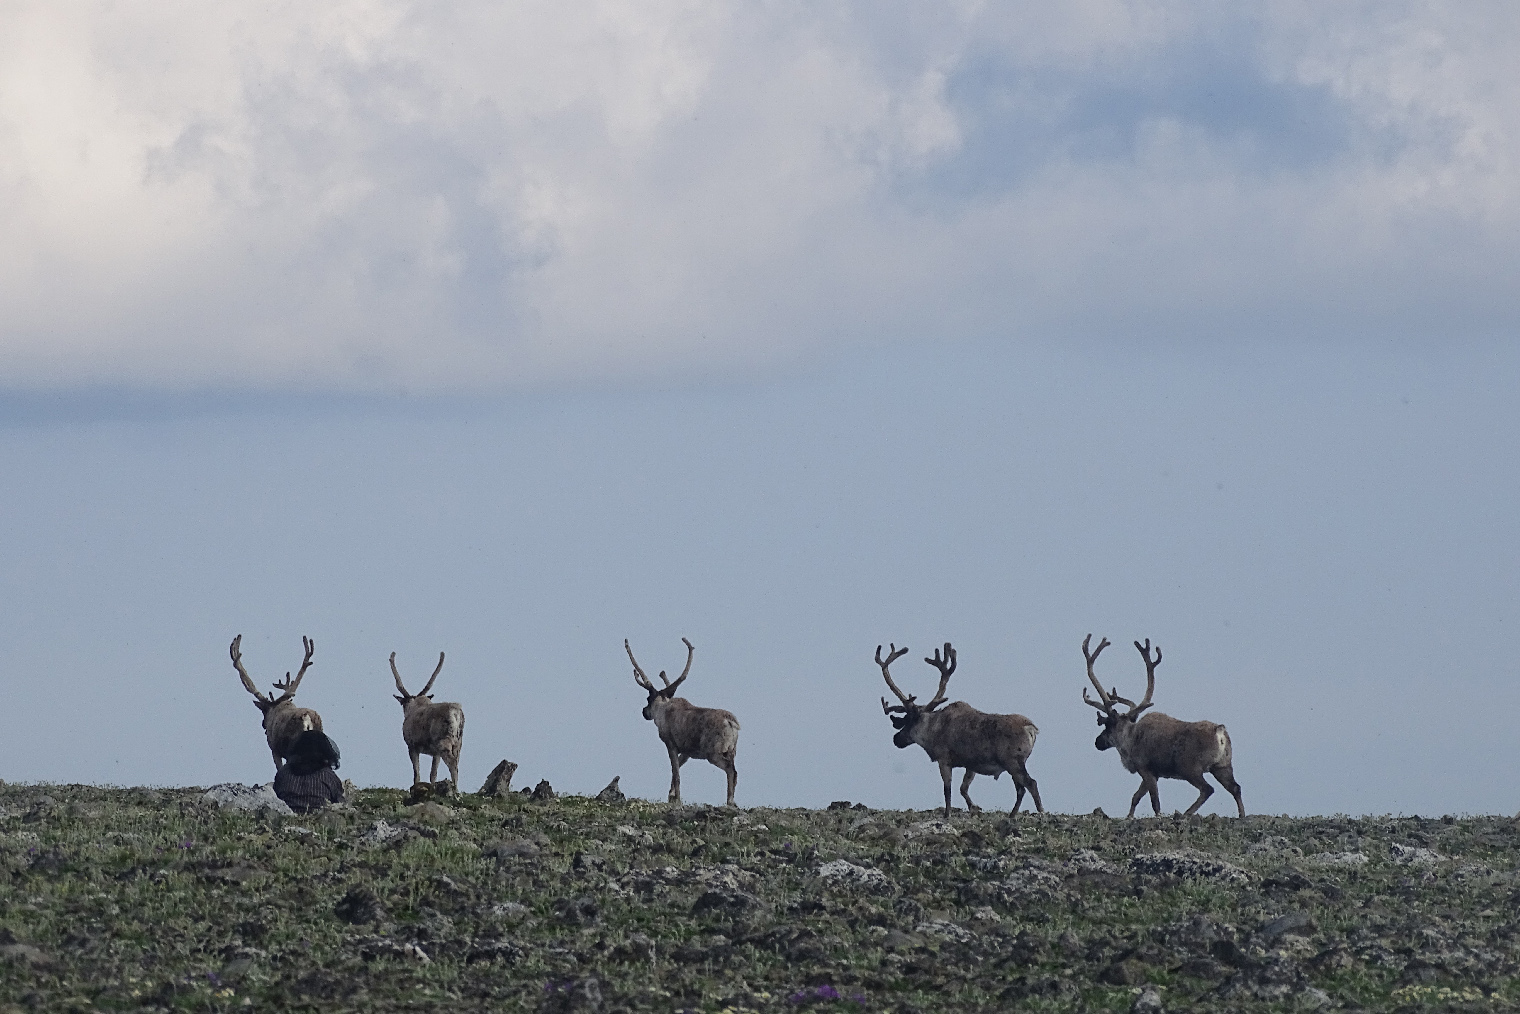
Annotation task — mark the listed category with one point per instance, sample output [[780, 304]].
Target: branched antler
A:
[[670, 688], [886, 674], [289, 686], [236, 651], [946, 666], [1105, 702], [1150, 674], [638, 673]]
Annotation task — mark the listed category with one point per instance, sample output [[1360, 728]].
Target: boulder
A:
[[499, 782], [253, 798]]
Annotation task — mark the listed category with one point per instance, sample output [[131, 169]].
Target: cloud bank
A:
[[372, 195]]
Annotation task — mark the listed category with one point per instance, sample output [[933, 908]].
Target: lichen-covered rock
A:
[[254, 798], [1187, 864], [846, 873]]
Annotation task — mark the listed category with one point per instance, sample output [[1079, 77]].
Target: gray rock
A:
[[1147, 1002], [843, 872], [1292, 922], [253, 798], [1188, 864], [1410, 855], [731, 902], [1128, 972], [611, 794], [359, 906], [24, 954], [542, 793], [520, 848], [499, 782], [579, 996]]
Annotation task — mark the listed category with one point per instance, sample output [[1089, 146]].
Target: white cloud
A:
[[380, 194]]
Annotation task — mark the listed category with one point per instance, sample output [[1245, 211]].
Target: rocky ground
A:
[[163, 899]]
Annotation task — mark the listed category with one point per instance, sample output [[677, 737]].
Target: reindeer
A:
[[709, 734], [960, 736], [428, 728], [283, 721], [1160, 746]]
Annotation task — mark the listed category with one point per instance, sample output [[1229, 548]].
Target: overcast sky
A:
[[513, 330]]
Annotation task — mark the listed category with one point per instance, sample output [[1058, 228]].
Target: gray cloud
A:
[[372, 196]]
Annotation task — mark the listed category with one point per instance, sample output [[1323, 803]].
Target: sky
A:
[[513, 330]]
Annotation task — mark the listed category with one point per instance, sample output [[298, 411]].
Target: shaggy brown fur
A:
[[960, 736], [1160, 746], [283, 721], [428, 728], [709, 734]]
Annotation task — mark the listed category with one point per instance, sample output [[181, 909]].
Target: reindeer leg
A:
[[1205, 790], [1022, 779], [1225, 773], [675, 776], [966, 791], [733, 777], [944, 772], [416, 773], [433, 774], [1155, 796], [452, 760], [1139, 793]]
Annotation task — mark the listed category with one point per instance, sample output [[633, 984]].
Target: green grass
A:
[[133, 899]]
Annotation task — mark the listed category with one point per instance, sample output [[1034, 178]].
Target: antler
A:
[[638, 674], [894, 655], [397, 673], [236, 651], [1150, 674], [424, 691], [690, 651], [1107, 699], [288, 686], [946, 666]]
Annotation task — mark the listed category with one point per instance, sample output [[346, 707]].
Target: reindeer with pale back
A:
[[283, 721], [709, 734], [960, 736], [1160, 746], [428, 728]]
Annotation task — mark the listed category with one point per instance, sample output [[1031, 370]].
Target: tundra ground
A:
[[154, 899]]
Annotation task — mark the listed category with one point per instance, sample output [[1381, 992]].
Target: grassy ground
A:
[[128, 899]]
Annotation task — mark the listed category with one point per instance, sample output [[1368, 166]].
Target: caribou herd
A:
[[955, 735]]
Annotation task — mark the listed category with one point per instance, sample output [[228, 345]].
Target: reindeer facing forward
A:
[[428, 728], [709, 734], [1160, 746], [283, 721], [959, 736]]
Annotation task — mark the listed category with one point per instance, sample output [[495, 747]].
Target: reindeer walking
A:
[[428, 728], [960, 736], [1157, 745], [283, 721], [709, 734]]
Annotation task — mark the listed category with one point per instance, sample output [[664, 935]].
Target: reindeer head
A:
[[1117, 725], [664, 695], [287, 688], [425, 697], [910, 712]]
